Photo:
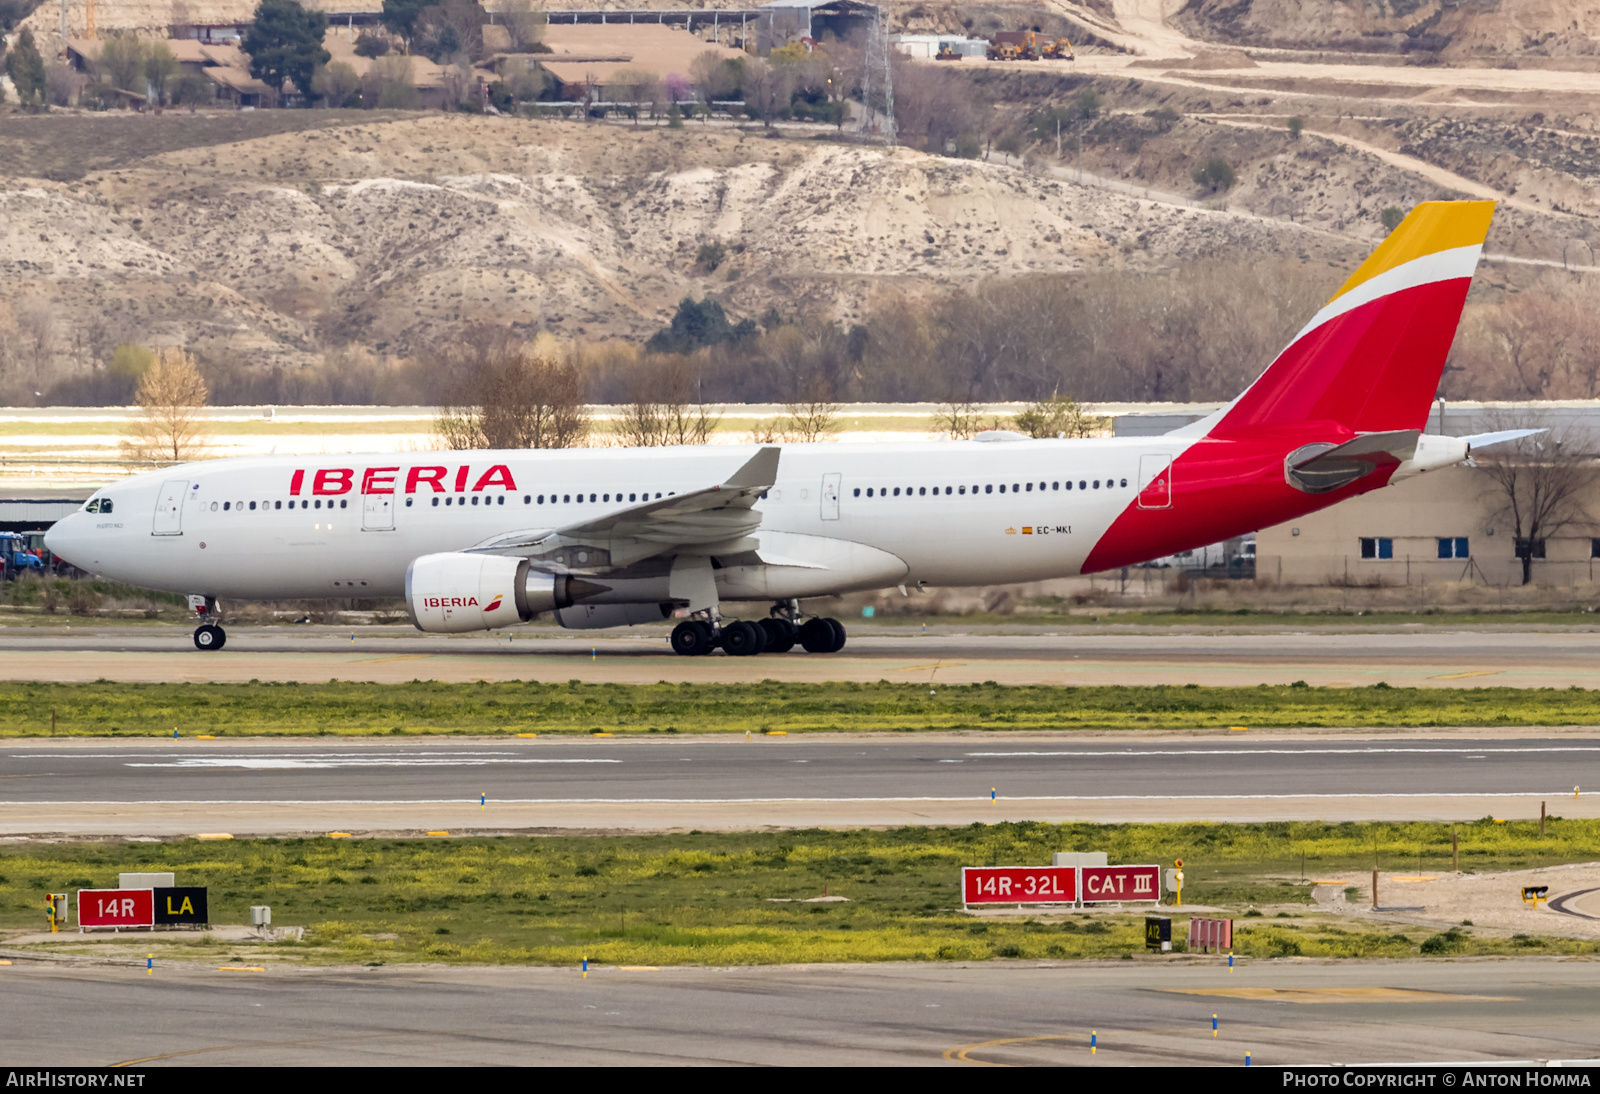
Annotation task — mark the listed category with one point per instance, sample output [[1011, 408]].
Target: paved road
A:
[[154, 786], [897, 1015], [1400, 656]]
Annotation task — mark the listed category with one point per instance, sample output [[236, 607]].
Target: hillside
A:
[[392, 231], [1456, 29]]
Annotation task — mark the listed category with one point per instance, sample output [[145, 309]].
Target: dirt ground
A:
[[1489, 901]]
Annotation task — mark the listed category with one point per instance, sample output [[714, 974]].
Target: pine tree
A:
[[26, 69]]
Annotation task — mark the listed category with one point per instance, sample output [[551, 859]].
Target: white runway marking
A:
[[1476, 753], [278, 763], [981, 798]]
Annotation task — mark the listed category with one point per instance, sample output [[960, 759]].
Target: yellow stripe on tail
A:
[[1431, 227]]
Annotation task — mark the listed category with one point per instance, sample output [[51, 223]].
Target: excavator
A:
[[1058, 50]]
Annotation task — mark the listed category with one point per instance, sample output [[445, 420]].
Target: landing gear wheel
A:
[[209, 636], [838, 634], [816, 636], [781, 635], [692, 638], [743, 639]]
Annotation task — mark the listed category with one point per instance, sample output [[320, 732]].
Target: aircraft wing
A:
[[713, 520]]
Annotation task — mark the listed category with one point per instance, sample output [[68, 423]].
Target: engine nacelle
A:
[[456, 592]]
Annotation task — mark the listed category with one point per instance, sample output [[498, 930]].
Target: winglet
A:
[[760, 470]]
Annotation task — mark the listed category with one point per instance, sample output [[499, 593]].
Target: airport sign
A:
[[116, 907], [1121, 884], [181, 904], [1019, 884]]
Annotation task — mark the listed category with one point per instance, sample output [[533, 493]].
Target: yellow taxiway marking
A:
[[638, 968], [438, 833], [241, 968], [1420, 877], [1328, 881], [1464, 675], [960, 1052], [1343, 995], [213, 835], [339, 835]]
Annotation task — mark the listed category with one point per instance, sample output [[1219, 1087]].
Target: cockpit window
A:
[[98, 505], [105, 505]]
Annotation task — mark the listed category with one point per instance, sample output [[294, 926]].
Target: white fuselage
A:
[[955, 513]]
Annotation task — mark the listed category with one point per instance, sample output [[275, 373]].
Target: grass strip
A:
[[104, 708], [740, 898]]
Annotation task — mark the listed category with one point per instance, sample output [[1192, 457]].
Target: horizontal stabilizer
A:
[[1323, 468], [1484, 440]]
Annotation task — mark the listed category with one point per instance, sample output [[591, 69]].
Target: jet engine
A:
[[456, 592]]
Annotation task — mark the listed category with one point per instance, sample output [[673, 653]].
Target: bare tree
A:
[[524, 22], [172, 394], [518, 400], [1057, 416], [810, 419], [1539, 484], [36, 329], [959, 418], [662, 411]]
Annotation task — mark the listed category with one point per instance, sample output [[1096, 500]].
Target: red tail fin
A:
[[1370, 360]]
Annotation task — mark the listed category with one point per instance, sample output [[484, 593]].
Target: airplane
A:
[[481, 540]]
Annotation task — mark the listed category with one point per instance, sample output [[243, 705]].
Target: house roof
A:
[[593, 51], [236, 79]]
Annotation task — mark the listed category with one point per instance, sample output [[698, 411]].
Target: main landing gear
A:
[[779, 633], [207, 636]]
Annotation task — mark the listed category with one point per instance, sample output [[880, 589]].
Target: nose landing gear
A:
[[208, 635]]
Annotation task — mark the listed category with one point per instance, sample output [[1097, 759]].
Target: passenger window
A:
[[1124, 482], [1097, 484], [1002, 488], [318, 505], [1030, 488], [897, 491], [1053, 486], [344, 503], [436, 503], [963, 489], [591, 497], [631, 497], [1082, 485], [989, 489], [922, 490], [566, 498], [501, 500], [857, 494], [277, 505], [527, 499], [869, 491], [226, 506], [408, 503], [1015, 488], [252, 506], [474, 499]]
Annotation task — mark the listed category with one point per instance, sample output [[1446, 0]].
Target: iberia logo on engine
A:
[[493, 604], [453, 602]]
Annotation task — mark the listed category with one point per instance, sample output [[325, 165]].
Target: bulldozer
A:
[[1021, 45], [1058, 50], [946, 53]]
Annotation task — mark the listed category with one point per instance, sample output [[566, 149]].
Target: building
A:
[[926, 47], [585, 58]]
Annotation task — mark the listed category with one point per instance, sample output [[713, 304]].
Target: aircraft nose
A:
[[60, 539]]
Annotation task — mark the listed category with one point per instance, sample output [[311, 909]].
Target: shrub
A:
[[1215, 173]]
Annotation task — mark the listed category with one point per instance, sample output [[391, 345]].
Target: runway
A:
[[1401, 656], [157, 787], [1145, 1012]]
